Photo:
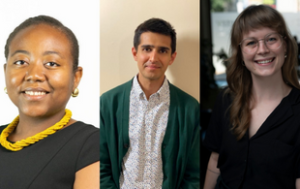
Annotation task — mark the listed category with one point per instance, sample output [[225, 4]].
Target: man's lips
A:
[[152, 66]]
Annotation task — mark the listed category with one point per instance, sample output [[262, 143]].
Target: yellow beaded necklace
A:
[[33, 139]]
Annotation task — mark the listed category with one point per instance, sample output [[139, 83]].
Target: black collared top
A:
[[270, 158]]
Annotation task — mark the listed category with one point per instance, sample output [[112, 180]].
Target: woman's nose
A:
[[35, 72], [262, 47]]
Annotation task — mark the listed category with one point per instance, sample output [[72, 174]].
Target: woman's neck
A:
[[269, 88]]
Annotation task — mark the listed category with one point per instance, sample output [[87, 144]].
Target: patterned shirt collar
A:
[[162, 91]]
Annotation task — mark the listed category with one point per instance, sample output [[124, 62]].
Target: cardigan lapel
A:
[[124, 119], [172, 114]]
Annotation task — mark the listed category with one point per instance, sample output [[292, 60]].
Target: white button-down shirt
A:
[[142, 165]]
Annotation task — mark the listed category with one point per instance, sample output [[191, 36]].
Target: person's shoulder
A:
[[224, 99], [82, 128], [183, 96], [117, 90], [294, 96], [227, 93]]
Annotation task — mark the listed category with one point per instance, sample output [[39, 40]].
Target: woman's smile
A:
[[39, 71], [34, 94], [265, 61]]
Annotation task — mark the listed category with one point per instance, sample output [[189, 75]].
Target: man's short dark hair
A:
[[42, 19], [155, 25]]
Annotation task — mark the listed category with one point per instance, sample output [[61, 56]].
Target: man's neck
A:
[[150, 86]]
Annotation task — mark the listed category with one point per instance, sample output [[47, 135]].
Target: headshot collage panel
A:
[[250, 91], [100, 94], [50, 102], [149, 86]]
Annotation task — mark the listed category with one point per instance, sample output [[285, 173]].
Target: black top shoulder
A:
[[51, 162], [270, 158]]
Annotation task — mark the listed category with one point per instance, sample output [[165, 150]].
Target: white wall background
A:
[[83, 18]]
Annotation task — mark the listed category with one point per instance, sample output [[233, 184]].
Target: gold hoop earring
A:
[[75, 93], [5, 90]]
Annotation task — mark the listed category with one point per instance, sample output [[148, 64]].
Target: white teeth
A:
[[35, 93], [264, 61]]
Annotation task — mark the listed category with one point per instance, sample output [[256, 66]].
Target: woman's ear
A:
[[77, 77]]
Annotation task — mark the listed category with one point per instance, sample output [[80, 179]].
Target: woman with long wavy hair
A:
[[255, 127]]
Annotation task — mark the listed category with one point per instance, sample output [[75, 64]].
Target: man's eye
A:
[[20, 62], [163, 51], [147, 49], [51, 64]]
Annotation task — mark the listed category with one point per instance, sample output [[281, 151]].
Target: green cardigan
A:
[[180, 147]]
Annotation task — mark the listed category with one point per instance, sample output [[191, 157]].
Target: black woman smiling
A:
[[43, 147], [255, 127]]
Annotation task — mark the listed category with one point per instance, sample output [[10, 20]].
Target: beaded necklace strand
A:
[[19, 145]]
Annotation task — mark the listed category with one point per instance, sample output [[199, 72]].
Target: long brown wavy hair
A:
[[238, 76]]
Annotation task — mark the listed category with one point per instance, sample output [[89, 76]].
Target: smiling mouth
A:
[[152, 66], [265, 61], [35, 93]]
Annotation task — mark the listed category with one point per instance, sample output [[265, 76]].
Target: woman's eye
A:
[[251, 43], [20, 62], [51, 64], [272, 39]]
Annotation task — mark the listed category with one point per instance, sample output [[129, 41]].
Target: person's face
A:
[[153, 56], [268, 59], [39, 71]]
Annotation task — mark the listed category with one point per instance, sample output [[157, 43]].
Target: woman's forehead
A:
[[259, 31], [41, 37]]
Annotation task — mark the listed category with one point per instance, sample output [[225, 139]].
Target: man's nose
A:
[[153, 56]]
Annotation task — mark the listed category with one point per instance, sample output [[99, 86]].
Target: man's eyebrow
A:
[[164, 48], [152, 46], [20, 51], [148, 46]]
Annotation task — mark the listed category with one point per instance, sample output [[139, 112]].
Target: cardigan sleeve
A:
[[106, 175], [191, 178]]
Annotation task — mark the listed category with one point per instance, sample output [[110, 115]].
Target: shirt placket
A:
[[148, 125]]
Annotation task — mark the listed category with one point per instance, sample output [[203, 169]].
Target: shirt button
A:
[[125, 145]]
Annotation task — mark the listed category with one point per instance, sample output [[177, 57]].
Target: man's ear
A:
[[173, 56], [134, 51]]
